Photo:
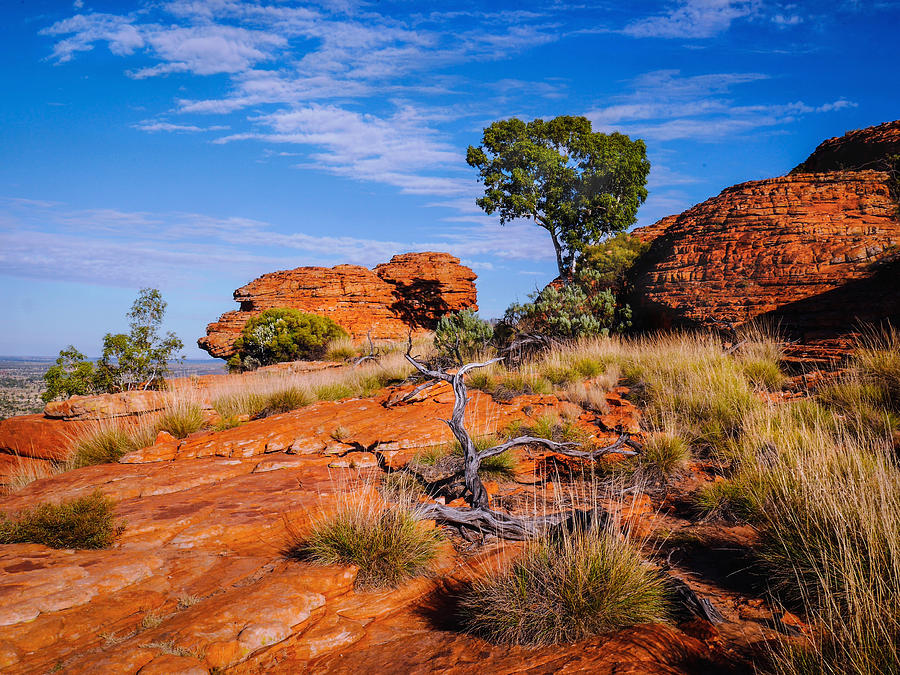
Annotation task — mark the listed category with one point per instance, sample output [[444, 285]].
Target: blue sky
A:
[[193, 145]]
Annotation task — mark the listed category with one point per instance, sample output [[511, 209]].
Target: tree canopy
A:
[[139, 359], [577, 184]]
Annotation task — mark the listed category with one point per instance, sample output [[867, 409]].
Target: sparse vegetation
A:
[[283, 334], [181, 418], [84, 522], [566, 589], [462, 335], [387, 542]]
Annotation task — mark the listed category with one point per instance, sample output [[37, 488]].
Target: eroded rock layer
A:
[[815, 252], [412, 291], [859, 149]]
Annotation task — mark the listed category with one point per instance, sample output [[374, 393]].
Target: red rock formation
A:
[[815, 252], [411, 291], [859, 149]]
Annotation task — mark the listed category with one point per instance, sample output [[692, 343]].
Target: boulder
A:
[[859, 149], [411, 292], [106, 406], [816, 253]]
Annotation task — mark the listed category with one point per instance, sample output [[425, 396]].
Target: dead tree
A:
[[479, 515]]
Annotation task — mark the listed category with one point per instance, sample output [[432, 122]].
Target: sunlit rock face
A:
[[412, 291], [816, 252]]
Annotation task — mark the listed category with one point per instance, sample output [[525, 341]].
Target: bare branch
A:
[[562, 448]]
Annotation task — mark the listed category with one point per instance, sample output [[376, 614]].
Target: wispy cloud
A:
[[693, 19], [127, 248], [665, 105]]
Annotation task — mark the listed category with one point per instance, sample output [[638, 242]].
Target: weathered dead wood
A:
[[373, 355]]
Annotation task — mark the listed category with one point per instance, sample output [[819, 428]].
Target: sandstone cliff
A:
[[816, 252], [858, 149], [412, 291]]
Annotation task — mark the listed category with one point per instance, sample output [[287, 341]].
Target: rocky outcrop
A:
[[860, 149], [197, 582], [412, 291], [815, 252]]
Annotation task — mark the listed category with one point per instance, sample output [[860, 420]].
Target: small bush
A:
[[107, 443], [283, 334], [565, 590], [664, 455], [462, 335], [181, 419], [725, 499], [341, 349], [387, 543], [239, 404], [285, 400], [85, 522]]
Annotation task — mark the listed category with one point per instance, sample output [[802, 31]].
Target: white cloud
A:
[[153, 126], [126, 248], [693, 19], [665, 106]]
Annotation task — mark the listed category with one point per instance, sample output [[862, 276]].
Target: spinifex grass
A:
[[498, 466], [386, 541], [85, 522], [566, 588]]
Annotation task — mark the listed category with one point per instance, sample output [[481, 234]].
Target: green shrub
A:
[[571, 311], [181, 420], [462, 335], [71, 375], [612, 259], [85, 522], [283, 334], [566, 589], [387, 543]]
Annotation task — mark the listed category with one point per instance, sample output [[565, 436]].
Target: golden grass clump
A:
[[108, 441], [387, 542], [566, 588], [181, 418]]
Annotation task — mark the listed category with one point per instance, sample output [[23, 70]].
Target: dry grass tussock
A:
[[386, 540], [565, 587]]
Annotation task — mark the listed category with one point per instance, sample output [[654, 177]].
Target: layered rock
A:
[[815, 252], [859, 149], [412, 291]]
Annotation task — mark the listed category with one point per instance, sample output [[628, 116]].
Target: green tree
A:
[[139, 359], [577, 184], [462, 335], [72, 374], [612, 258], [283, 334]]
